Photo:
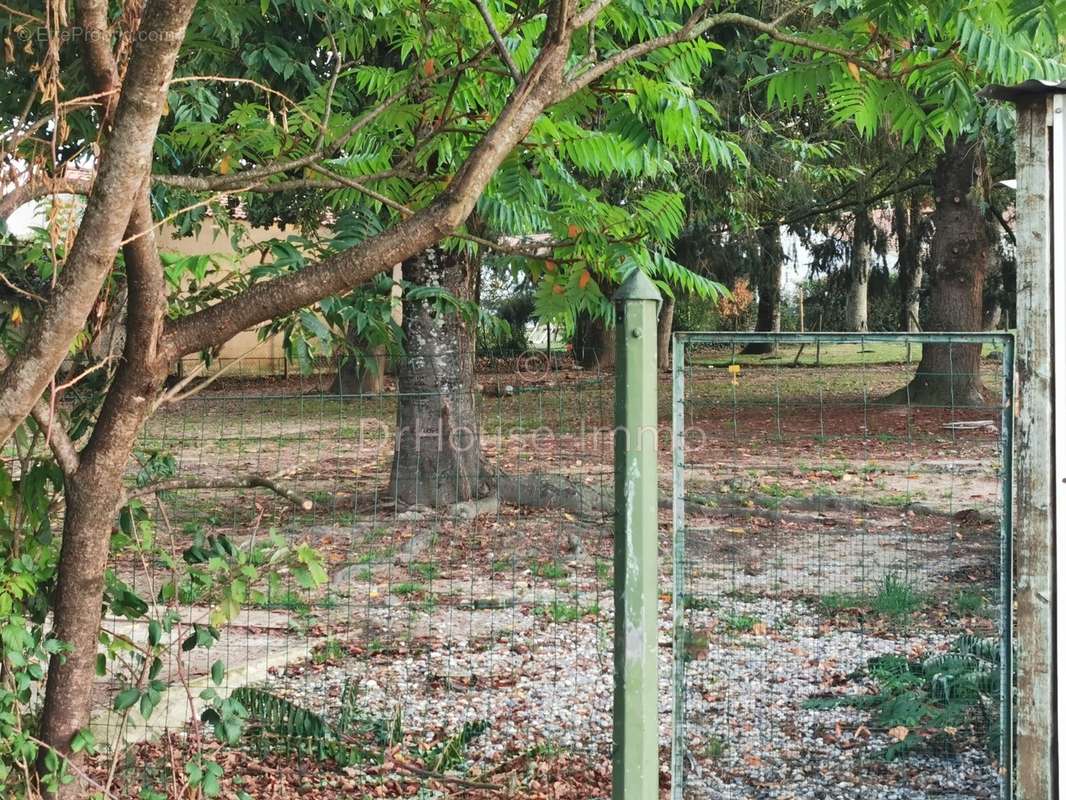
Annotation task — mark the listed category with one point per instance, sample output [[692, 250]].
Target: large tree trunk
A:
[[910, 230], [438, 447], [857, 308], [94, 492], [768, 282], [593, 342], [951, 374], [665, 332]]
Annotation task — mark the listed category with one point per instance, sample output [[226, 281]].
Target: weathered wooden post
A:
[[1039, 459], [635, 754]]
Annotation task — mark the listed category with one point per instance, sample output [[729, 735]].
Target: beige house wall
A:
[[255, 357]]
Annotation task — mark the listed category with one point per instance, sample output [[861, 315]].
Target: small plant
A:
[[897, 598], [284, 601], [427, 571], [968, 604], [550, 570], [503, 565], [567, 612], [407, 589], [944, 701], [696, 603], [329, 651], [740, 623], [605, 571], [715, 748]]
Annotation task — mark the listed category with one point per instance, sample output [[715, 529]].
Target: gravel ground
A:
[[747, 735]]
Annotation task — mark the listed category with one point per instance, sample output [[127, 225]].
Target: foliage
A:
[[277, 724], [942, 700]]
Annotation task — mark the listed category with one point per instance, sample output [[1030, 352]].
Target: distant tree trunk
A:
[[910, 230], [768, 282], [951, 374], [593, 342], [665, 332], [438, 458], [361, 372], [857, 317]]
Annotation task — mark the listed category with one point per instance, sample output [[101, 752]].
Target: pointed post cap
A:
[[638, 286]]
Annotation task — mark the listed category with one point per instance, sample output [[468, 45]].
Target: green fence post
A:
[[635, 755]]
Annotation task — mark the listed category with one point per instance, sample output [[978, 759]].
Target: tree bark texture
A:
[[665, 332], [950, 375], [593, 342], [94, 492], [857, 317], [437, 460], [910, 230], [768, 283]]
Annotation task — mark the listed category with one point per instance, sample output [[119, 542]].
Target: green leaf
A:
[[126, 698]]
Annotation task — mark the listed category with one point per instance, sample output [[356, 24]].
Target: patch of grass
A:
[[739, 623], [551, 570], [696, 603], [605, 571], [836, 602], [777, 490], [286, 601], [427, 570], [715, 748], [503, 565], [896, 598], [968, 604], [330, 650], [375, 556], [406, 589], [558, 611], [898, 500]]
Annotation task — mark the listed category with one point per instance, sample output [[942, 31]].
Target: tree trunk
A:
[[768, 282], [593, 342], [857, 309], [94, 492], [951, 374], [665, 332], [910, 231], [361, 372], [438, 459]]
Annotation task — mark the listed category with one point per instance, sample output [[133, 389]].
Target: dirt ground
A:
[[803, 497]]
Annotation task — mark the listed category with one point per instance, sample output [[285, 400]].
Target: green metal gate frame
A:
[[1006, 341]]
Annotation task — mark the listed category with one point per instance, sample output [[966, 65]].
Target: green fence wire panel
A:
[[842, 519], [439, 647]]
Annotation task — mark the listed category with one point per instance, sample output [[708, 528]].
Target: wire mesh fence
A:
[[426, 649], [841, 552]]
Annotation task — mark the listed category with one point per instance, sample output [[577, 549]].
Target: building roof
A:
[[1018, 91]]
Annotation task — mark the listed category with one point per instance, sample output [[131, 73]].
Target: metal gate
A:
[[842, 567]]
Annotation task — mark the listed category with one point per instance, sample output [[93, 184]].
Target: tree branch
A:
[[124, 165], [505, 54], [234, 482], [38, 188], [62, 446], [696, 26], [341, 271], [253, 176]]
